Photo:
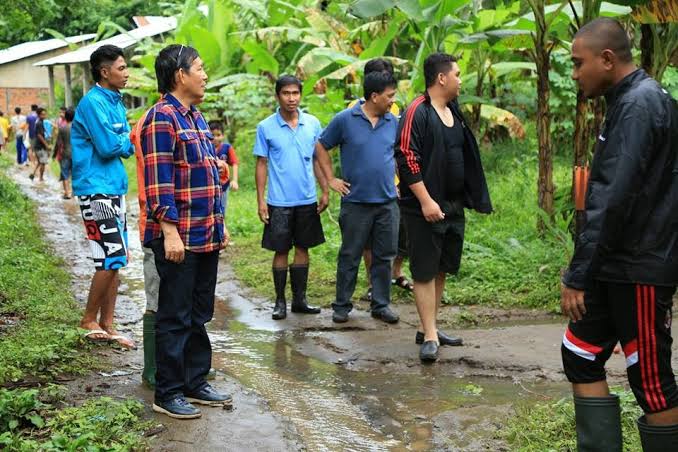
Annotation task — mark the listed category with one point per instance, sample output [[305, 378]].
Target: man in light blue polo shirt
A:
[[285, 151], [366, 134]]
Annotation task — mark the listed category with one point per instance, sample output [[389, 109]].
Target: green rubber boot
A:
[[148, 374], [598, 424], [657, 438]]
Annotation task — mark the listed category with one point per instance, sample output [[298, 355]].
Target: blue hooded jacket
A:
[[99, 137]]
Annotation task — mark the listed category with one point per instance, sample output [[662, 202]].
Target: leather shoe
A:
[[340, 317], [177, 408], [302, 307], [280, 310], [209, 396], [429, 351], [443, 338], [386, 315]]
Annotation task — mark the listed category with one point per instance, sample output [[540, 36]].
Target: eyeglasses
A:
[[179, 57]]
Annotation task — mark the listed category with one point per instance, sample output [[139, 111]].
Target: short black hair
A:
[[103, 56], [69, 115], [17, 110], [40, 110], [286, 80], [377, 82], [169, 61], [62, 108], [34, 107], [1, 113], [215, 124], [605, 33], [437, 63], [378, 65]]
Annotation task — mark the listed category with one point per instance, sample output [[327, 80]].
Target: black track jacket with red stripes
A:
[[631, 230], [420, 155]]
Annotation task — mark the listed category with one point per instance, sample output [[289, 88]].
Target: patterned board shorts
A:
[[106, 224]]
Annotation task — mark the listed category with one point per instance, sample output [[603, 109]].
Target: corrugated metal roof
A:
[[123, 41], [28, 49]]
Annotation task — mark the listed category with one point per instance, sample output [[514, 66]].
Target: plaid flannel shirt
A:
[[181, 175]]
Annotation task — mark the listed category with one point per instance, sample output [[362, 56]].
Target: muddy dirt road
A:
[[307, 384]]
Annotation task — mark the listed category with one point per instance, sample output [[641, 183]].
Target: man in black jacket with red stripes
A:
[[440, 175], [620, 283]]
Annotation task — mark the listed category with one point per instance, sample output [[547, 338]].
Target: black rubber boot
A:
[[598, 424], [148, 374], [657, 438], [280, 281], [299, 280]]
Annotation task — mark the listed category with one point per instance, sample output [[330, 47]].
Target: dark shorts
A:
[[434, 247], [65, 165], [637, 316], [297, 226], [106, 224]]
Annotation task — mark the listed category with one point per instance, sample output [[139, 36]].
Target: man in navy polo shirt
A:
[[285, 148], [369, 211]]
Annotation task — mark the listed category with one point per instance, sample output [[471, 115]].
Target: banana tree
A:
[[659, 34], [433, 25]]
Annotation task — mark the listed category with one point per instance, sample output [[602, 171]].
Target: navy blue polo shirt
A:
[[367, 161]]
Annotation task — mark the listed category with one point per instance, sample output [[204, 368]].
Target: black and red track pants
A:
[[637, 316]]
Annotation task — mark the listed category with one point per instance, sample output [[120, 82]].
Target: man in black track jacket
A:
[[440, 174], [621, 280]]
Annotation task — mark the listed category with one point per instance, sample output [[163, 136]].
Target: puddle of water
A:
[[334, 408]]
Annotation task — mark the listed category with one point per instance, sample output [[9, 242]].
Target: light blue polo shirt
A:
[[290, 158], [367, 161]]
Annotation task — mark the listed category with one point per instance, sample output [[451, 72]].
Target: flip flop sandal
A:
[[90, 333], [403, 283]]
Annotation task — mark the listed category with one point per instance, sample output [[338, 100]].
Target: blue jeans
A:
[[360, 223], [21, 153]]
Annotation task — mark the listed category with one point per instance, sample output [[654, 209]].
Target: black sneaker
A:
[[340, 317], [177, 408], [443, 338], [209, 396], [429, 351], [386, 315]]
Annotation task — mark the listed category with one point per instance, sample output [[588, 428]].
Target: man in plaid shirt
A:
[[185, 230]]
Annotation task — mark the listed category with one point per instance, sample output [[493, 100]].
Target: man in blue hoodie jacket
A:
[[99, 138]]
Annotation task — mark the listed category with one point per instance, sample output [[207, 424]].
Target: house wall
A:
[[22, 84]]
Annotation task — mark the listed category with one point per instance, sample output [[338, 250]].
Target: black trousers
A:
[[185, 304]]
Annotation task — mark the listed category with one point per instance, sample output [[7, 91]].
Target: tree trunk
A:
[[646, 48], [545, 182], [545, 188]]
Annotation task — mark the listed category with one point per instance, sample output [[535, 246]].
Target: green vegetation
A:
[[30, 420], [40, 340], [34, 294], [549, 426]]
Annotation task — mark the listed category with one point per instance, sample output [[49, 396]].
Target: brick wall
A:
[[22, 97]]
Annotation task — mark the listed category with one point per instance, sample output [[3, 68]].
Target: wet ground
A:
[[306, 383]]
